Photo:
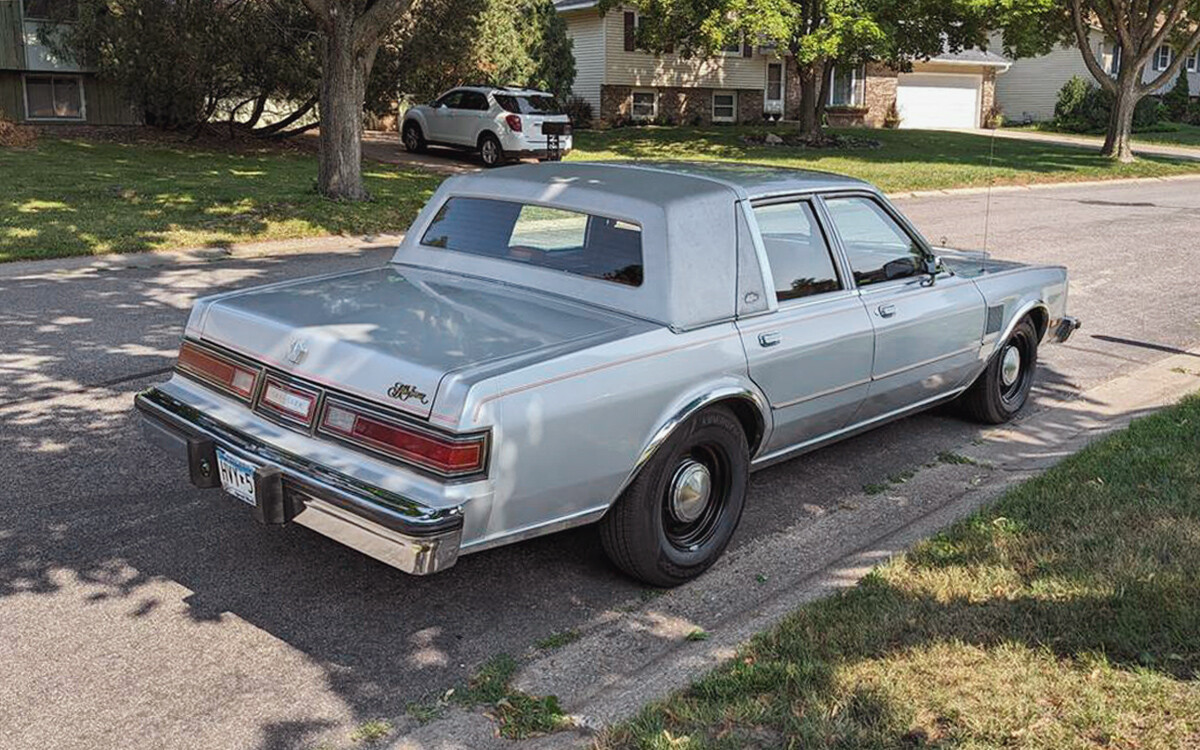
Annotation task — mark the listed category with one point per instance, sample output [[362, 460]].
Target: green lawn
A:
[[1067, 615], [70, 197], [907, 159], [1173, 134], [81, 198]]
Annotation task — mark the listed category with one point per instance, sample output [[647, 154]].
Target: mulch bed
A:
[[827, 141]]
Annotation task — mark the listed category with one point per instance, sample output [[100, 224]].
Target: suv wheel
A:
[[490, 150], [679, 513], [414, 139]]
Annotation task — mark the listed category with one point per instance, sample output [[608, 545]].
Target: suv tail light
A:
[[444, 455], [514, 123], [217, 370]]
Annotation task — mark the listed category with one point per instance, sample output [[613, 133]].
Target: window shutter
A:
[[629, 30], [747, 47]]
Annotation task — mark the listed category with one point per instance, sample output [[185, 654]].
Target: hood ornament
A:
[[297, 351]]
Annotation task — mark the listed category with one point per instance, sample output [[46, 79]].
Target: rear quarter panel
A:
[[569, 432], [1020, 291]]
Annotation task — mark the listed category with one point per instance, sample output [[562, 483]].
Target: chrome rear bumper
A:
[[374, 521], [1062, 329]]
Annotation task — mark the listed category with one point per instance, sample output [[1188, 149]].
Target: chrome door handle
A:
[[770, 338], [887, 311]]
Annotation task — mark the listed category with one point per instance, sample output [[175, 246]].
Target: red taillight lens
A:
[[514, 123], [442, 455], [217, 370]]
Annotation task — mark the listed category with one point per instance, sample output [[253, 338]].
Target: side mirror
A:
[[933, 265]]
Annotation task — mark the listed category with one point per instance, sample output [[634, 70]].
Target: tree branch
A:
[[1172, 69], [378, 17], [1089, 57], [294, 131], [1168, 25], [277, 126], [320, 9]]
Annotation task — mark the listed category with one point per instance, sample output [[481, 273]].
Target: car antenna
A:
[[987, 206]]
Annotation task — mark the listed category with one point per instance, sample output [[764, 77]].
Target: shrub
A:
[[1083, 107], [1071, 97], [994, 118], [892, 119], [579, 110], [1178, 100], [13, 135]]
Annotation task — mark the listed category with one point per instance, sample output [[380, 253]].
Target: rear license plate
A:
[[237, 477]]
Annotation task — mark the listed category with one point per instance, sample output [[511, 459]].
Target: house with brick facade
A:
[[39, 86], [746, 82]]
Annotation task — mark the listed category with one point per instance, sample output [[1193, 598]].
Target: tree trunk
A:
[[810, 98], [1118, 142], [343, 90]]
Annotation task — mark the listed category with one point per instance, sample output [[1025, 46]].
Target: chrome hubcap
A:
[[691, 489], [489, 151], [1010, 366]]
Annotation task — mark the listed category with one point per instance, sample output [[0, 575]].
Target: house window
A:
[[724, 108], [1190, 62], [48, 10], [1162, 58], [53, 98], [1114, 60], [644, 105], [734, 47], [774, 82], [843, 87]]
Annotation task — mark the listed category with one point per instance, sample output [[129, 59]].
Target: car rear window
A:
[[529, 105], [597, 247]]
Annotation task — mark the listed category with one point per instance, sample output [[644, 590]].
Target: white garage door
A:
[[938, 100]]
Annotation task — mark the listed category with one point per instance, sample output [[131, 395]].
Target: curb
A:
[[1037, 186], [86, 264], [629, 656]]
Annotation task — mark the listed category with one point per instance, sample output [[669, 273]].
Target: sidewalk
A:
[[1090, 142]]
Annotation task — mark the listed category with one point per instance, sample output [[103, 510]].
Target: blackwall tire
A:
[[1002, 389]]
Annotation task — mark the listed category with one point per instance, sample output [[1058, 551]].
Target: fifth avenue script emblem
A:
[[404, 392]]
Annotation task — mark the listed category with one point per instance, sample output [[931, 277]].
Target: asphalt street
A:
[[136, 611]]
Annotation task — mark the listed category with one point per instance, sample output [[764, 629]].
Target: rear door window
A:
[[574, 242], [801, 262], [529, 105], [473, 100]]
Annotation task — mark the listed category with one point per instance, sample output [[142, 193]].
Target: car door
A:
[[470, 116], [441, 118], [928, 328], [812, 356]]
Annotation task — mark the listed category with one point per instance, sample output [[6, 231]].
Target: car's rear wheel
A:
[[1003, 388], [490, 150], [414, 139], [678, 515]]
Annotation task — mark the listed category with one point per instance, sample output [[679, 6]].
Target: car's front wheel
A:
[[677, 516], [1003, 388], [490, 150], [414, 139]]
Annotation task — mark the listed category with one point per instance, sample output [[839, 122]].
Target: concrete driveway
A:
[[136, 611]]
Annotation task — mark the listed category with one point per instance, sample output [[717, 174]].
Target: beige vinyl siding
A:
[[641, 69], [586, 31], [1030, 87]]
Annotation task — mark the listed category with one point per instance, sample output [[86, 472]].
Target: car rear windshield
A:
[[594, 246], [529, 105]]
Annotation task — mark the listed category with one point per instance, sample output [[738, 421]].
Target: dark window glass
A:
[[877, 247], [50, 10], [473, 100], [452, 99], [797, 250], [54, 97], [578, 243], [529, 105]]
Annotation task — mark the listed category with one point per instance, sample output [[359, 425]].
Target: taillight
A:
[[217, 370], [288, 401], [443, 455], [514, 123]]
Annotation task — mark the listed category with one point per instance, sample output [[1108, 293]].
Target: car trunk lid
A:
[[392, 334]]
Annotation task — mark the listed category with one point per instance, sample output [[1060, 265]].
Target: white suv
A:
[[500, 123]]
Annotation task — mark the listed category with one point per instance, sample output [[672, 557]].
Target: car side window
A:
[[801, 262], [451, 99], [878, 248], [473, 100]]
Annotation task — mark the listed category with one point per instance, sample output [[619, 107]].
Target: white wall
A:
[[586, 31]]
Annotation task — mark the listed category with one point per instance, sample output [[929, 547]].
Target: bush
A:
[[994, 118], [1178, 100], [579, 110], [13, 135], [1083, 107], [892, 119]]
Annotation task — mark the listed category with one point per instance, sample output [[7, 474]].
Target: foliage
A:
[[13, 135], [993, 118], [1085, 108], [579, 110], [1178, 100], [892, 119], [1064, 616], [453, 42], [177, 62]]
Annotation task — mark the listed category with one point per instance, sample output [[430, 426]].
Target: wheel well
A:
[[748, 415], [485, 134], [1041, 321]]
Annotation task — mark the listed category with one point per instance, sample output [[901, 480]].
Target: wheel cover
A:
[[1016, 369], [489, 151], [410, 137], [695, 499]]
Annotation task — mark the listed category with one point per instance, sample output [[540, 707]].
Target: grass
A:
[[371, 731], [1167, 134], [69, 197], [1067, 615], [557, 640], [907, 159]]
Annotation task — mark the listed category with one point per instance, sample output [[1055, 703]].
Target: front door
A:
[[811, 357], [928, 329]]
